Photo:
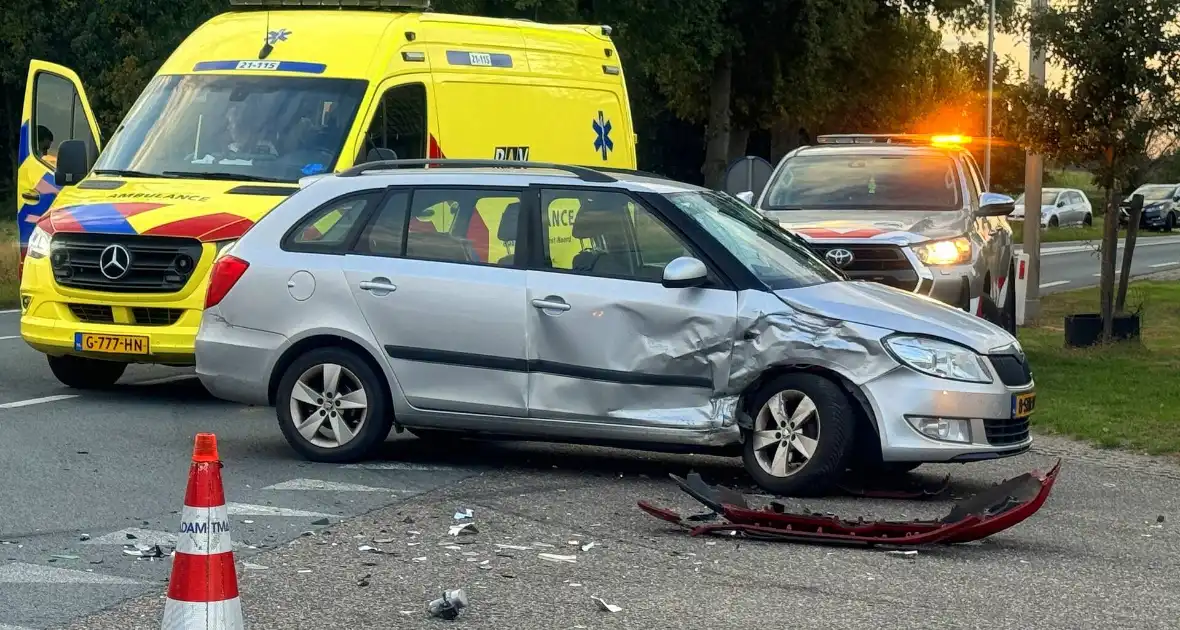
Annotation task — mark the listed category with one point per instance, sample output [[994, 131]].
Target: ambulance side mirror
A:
[[73, 163]]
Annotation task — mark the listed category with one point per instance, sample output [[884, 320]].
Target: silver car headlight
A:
[[39, 243], [939, 358]]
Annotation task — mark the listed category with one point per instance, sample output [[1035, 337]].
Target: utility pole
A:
[[991, 73], [1033, 170]]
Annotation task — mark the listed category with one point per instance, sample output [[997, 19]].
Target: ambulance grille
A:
[[154, 264]]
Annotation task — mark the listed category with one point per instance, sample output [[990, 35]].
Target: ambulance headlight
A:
[[39, 243]]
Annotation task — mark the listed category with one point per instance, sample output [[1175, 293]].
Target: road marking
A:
[[24, 573], [1046, 285], [10, 310], [1169, 264], [37, 401], [6, 338], [397, 466], [245, 509], [333, 486], [1116, 272]]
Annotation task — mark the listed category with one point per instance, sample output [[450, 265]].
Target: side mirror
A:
[[73, 163], [1060, 204], [995, 205], [380, 154], [685, 272], [747, 196]]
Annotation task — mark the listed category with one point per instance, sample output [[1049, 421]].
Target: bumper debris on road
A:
[[984, 514]]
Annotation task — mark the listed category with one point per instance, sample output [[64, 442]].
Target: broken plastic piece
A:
[[466, 529], [605, 606], [145, 551], [552, 557], [588, 546], [464, 514], [448, 606]]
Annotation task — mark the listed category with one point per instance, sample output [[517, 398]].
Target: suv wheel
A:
[[85, 373], [332, 407], [804, 430]]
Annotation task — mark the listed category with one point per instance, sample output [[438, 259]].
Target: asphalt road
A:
[[1075, 265]]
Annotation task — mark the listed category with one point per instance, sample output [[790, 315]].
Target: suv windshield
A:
[[761, 246], [245, 127], [1154, 193], [866, 182]]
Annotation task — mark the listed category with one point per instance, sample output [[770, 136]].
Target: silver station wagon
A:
[[559, 303]]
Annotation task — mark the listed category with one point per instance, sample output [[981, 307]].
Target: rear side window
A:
[[327, 228]]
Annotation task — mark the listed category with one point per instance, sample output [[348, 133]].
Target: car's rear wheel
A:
[[332, 406], [1088, 220], [803, 435], [86, 373], [1053, 222]]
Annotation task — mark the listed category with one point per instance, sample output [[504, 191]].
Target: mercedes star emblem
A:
[[839, 257], [114, 261]]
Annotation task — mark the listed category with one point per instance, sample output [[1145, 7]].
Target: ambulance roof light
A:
[[421, 5]]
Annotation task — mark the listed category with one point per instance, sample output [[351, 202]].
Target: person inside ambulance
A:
[[44, 144]]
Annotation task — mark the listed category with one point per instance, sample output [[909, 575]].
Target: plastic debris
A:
[[254, 567], [63, 556], [420, 559], [85, 537], [448, 606], [514, 547], [363, 582], [248, 521], [605, 606], [466, 529], [910, 553], [541, 544], [304, 571], [145, 551], [588, 546], [322, 521], [383, 541], [552, 557], [468, 513], [131, 537]]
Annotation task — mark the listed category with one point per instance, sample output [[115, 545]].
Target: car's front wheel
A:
[[86, 373], [332, 406], [802, 437], [1170, 222]]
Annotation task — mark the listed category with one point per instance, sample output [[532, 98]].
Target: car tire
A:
[[1088, 220], [1009, 313], [1053, 222], [340, 410], [828, 432], [86, 373], [1170, 222]]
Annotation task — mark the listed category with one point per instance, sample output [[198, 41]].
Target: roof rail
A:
[[581, 172], [421, 5]]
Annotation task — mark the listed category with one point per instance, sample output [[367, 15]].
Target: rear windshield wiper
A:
[[123, 173], [232, 177]]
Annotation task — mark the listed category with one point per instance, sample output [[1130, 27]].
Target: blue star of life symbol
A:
[[603, 143], [274, 37]]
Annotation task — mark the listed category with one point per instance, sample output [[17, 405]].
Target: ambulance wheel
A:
[[86, 373], [803, 435], [332, 406]]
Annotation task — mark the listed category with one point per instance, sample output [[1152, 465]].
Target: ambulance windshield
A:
[[252, 128]]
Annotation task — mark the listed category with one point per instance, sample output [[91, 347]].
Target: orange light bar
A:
[[950, 139]]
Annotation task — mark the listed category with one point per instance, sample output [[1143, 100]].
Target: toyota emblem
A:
[[114, 261], [839, 257]]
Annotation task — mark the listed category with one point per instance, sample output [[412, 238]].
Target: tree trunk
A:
[[739, 140], [784, 137], [1110, 243], [717, 131], [1128, 251]]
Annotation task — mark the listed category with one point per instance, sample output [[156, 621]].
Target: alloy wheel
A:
[[329, 405], [786, 433]]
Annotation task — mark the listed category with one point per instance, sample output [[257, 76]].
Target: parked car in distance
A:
[[1161, 207], [1059, 207], [687, 321]]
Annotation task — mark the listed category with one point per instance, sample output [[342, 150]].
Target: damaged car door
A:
[[612, 339]]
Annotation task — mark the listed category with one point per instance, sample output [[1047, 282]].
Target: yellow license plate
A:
[[1023, 404], [110, 344]]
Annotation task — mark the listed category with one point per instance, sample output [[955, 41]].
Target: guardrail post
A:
[[1022, 265]]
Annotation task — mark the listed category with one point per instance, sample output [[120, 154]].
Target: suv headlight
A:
[[939, 358], [954, 251], [39, 243]]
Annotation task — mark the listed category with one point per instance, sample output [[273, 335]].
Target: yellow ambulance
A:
[[118, 240]]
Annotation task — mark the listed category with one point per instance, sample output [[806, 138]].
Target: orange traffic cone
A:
[[203, 591]]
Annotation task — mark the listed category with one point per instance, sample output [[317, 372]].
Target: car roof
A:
[[506, 176], [879, 149]]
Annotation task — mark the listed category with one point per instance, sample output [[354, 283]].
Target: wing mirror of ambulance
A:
[[995, 205], [685, 272], [73, 163]]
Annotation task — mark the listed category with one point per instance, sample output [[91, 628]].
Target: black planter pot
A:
[[1085, 329]]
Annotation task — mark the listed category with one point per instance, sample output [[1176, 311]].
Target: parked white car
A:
[[1059, 207]]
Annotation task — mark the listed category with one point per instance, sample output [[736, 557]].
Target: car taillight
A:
[[227, 270]]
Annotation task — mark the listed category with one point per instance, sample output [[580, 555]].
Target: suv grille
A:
[[154, 264], [1006, 431], [1013, 370], [885, 264]]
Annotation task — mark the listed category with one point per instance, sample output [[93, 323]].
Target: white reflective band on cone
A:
[[224, 615], [204, 531]]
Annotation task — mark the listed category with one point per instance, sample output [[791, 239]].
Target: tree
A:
[[1122, 63]]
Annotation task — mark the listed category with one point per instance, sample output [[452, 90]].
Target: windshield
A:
[[866, 182], [761, 246], [1154, 193], [252, 128]]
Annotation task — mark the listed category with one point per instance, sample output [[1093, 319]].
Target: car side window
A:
[[383, 235], [477, 226], [58, 116], [327, 228], [607, 235], [974, 180], [398, 129]]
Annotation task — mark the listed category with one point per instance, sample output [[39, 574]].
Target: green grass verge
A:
[[1062, 234], [9, 257], [1121, 395]]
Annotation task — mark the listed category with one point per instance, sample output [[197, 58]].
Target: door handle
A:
[[31, 195], [380, 286], [552, 305]]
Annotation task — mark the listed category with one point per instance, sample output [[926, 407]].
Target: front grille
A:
[[1013, 370], [155, 264], [1007, 431], [93, 313], [156, 316], [885, 264]]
